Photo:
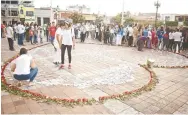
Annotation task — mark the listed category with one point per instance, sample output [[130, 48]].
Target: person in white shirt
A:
[[87, 30], [177, 40], [10, 35], [171, 40], [130, 32], [111, 35], [21, 30], [83, 33], [68, 41], [24, 67], [57, 44]]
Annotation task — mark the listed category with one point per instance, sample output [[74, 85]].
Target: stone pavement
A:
[[99, 70]]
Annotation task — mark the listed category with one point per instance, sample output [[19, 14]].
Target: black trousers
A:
[[97, 35], [140, 44], [130, 41], [177, 43], [11, 43], [83, 36], [171, 44], [63, 48]]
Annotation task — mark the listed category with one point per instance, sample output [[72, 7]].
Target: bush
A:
[[171, 23]]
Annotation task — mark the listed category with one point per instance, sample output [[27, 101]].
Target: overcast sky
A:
[[112, 7]]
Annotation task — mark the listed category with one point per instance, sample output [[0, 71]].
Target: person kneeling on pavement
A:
[[24, 67]]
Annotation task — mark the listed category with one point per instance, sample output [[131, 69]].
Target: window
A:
[[2, 12], [39, 21], [29, 13], [167, 18], [46, 20]]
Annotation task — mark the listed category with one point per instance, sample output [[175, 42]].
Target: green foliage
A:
[[117, 19], [99, 19], [185, 23], [77, 18], [171, 23]]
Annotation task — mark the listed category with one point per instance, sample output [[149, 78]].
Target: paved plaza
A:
[[101, 70]]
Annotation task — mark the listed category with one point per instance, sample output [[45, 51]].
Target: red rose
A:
[[72, 100], [84, 100], [79, 100]]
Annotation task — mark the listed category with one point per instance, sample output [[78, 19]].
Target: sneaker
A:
[[62, 66], [69, 66], [55, 63]]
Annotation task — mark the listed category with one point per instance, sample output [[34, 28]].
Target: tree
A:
[[99, 19], [117, 19], [77, 18], [185, 23]]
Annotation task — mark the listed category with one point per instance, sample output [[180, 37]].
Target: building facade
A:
[[13, 11], [9, 11], [80, 9], [42, 16]]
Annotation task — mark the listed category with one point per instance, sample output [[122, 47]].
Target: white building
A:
[[168, 17], [42, 16], [9, 11], [81, 9]]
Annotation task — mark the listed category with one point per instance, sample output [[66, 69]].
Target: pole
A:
[[122, 14], [156, 16]]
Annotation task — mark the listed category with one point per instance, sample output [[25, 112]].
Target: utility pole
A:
[[122, 14], [157, 5]]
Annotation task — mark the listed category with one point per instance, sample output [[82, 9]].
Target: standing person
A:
[[171, 40], [47, 31], [87, 30], [97, 32], [31, 34], [3, 29], [10, 35], [160, 33], [15, 31], [52, 31], [165, 41], [27, 32], [21, 30], [135, 35], [68, 41], [35, 34], [111, 35], [119, 36], [57, 44], [107, 35], [146, 35], [177, 40], [149, 39], [83, 33], [153, 38], [92, 31], [130, 34]]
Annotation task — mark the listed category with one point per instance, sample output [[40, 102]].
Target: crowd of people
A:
[[173, 39]]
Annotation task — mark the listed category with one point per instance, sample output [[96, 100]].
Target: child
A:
[[140, 42]]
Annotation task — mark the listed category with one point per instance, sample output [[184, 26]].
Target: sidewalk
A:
[[169, 96]]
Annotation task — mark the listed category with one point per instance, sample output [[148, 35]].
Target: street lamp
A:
[[157, 5]]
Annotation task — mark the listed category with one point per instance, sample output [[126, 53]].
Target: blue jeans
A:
[[31, 39], [20, 39], [35, 39], [31, 76], [52, 39]]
